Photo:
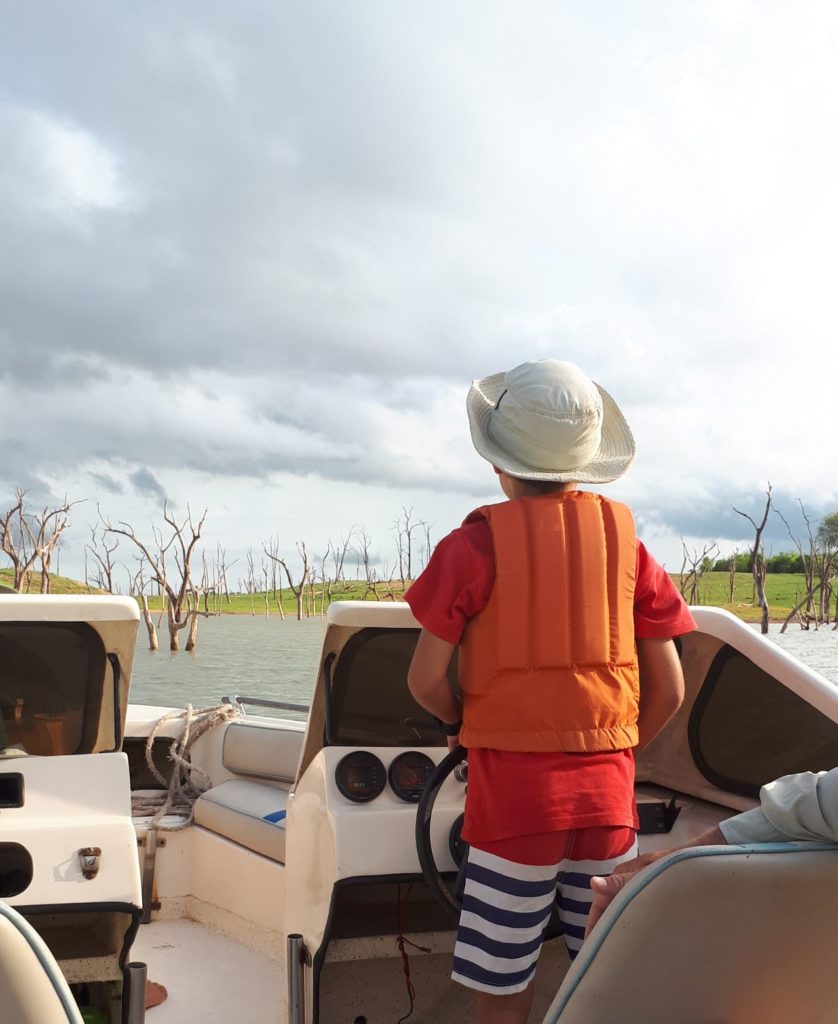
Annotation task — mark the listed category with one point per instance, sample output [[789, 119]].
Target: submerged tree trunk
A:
[[758, 559], [174, 639], [149, 623], [192, 638]]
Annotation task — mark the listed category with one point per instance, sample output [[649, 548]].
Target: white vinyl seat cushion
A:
[[32, 987], [249, 813], [732, 934]]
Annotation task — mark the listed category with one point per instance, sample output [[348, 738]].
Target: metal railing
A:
[[238, 701]]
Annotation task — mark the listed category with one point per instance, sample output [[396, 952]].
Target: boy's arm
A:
[[427, 678], [661, 686]]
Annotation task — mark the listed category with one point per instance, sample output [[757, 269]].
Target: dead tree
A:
[[428, 548], [137, 586], [297, 589], [102, 554], [326, 581], [804, 611], [250, 583], [758, 557], [272, 551], [181, 594], [264, 568], [16, 541], [404, 528], [221, 567], [698, 564], [731, 576], [370, 575], [28, 537], [339, 552], [827, 540], [45, 529]]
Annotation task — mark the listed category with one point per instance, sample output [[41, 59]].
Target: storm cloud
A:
[[252, 257]]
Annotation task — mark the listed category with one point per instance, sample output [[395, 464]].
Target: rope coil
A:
[[181, 790]]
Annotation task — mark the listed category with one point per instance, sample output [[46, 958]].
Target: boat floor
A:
[[211, 978]]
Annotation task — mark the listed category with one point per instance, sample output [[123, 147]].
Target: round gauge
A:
[[408, 774], [360, 776], [456, 844]]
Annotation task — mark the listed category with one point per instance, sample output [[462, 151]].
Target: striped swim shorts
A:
[[507, 904]]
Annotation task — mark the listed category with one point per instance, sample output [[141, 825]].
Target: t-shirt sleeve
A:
[[659, 610], [454, 586]]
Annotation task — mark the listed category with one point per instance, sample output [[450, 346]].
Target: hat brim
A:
[[613, 457]]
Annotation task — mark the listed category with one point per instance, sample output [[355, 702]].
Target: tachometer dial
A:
[[408, 774]]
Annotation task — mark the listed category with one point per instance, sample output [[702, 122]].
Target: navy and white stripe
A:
[[506, 910]]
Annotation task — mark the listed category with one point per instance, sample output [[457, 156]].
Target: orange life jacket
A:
[[550, 663]]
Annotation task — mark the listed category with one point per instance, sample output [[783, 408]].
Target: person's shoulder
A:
[[474, 536], [613, 502]]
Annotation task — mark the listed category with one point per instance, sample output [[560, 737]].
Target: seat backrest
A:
[[264, 752], [714, 935], [32, 987]]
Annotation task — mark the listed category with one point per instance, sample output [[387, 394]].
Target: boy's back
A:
[[550, 597]]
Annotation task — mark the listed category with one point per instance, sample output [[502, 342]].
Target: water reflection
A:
[[258, 657]]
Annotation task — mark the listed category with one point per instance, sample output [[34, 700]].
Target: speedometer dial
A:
[[360, 776], [408, 774]]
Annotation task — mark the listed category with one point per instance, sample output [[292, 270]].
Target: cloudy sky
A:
[[252, 254]]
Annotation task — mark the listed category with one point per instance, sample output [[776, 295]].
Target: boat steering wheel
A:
[[436, 883]]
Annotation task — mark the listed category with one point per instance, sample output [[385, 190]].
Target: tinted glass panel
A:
[[51, 680], [747, 729], [370, 704]]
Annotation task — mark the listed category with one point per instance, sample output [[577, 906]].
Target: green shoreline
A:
[[783, 591]]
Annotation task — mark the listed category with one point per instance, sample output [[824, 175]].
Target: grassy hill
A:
[[58, 584], [783, 591]]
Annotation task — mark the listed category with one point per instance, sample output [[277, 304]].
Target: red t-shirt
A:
[[518, 794]]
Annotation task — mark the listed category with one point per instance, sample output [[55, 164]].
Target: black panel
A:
[[747, 729], [52, 678], [369, 702], [11, 789], [15, 869]]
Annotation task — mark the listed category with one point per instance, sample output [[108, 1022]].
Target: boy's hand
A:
[[453, 742]]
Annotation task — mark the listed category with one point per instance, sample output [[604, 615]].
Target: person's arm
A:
[[427, 678], [661, 686], [802, 807], [795, 807], [606, 888]]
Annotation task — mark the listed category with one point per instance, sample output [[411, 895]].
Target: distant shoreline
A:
[[783, 591]]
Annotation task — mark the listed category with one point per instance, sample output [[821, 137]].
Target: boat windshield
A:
[[369, 702], [51, 686], [747, 729]]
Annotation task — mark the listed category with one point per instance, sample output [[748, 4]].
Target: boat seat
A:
[[262, 751], [714, 935], [249, 813], [32, 987]]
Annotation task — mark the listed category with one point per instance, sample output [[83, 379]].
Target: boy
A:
[[566, 663]]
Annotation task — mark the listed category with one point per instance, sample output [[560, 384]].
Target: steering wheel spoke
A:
[[437, 884]]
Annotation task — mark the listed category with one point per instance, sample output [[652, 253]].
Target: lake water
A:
[[259, 657]]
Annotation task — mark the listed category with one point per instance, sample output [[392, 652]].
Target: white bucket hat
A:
[[547, 420]]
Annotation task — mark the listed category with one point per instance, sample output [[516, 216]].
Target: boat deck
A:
[[209, 977]]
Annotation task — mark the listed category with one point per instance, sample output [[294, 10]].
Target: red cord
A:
[[402, 941]]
